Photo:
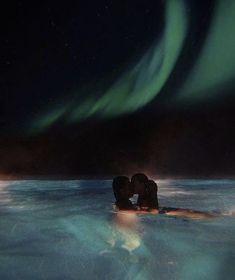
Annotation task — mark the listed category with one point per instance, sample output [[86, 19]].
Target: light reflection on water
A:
[[127, 226], [68, 230], [5, 197]]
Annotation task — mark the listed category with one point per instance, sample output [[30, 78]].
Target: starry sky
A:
[[117, 87]]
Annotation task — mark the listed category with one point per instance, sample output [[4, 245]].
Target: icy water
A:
[[68, 230]]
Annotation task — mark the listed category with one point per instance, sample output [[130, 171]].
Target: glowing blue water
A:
[[66, 230]]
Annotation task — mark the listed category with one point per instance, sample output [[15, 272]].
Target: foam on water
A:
[[67, 230]]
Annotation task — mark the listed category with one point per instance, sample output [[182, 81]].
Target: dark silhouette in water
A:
[[146, 190], [122, 193], [147, 198]]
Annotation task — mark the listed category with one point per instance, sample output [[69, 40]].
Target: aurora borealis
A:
[[142, 83], [215, 66], [91, 90], [136, 87], [112, 87]]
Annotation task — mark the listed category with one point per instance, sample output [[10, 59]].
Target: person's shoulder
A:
[[152, 186], [151, 182]]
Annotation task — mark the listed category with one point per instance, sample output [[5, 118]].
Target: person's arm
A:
[[140, 211], [191, 213]]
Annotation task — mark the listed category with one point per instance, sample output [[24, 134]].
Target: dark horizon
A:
[[196, 146]]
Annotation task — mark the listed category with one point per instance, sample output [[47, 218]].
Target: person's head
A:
[[138, 183], [121, 187]]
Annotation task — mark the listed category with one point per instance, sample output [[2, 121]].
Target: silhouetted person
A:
[[122, 193], [147, 201], [146, 190]]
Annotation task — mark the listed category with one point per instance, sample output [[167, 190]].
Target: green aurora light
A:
[[138, 86], [135, 88], [216, 63]]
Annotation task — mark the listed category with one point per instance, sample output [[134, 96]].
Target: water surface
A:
[[68, 230]]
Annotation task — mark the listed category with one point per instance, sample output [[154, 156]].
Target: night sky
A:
[[97, 88]]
